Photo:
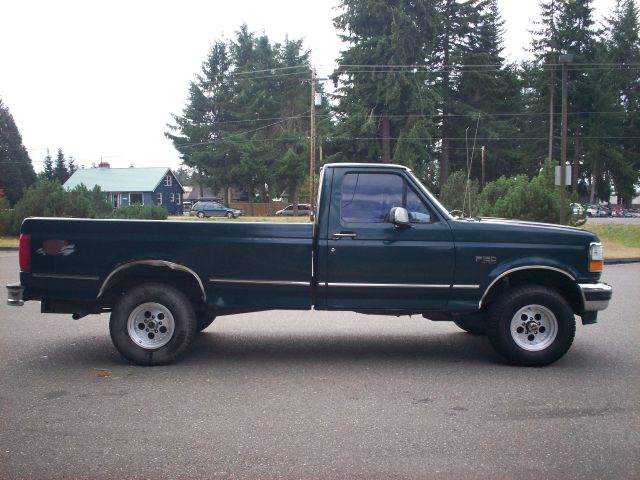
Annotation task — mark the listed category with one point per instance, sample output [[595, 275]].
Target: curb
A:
[[8, 249], [620, 261]]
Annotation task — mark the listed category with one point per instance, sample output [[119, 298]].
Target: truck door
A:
[[371, 263]]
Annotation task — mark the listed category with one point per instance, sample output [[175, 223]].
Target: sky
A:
[[101, 79]]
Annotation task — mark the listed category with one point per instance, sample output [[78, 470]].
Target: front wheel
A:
[[200, 214], [531, 325], [229, 214], [152, 324]]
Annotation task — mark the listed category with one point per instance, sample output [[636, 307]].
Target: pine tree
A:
[[16, 170], [385, 105], [47, 169], [622, 50], [485, 96], [60, 171]]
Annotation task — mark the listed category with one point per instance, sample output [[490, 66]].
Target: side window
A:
[[167, 181], [368, 198]]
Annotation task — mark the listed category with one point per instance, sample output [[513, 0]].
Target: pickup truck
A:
[[380, 244]]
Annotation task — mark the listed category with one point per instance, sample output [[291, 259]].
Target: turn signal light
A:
[[596, 265]]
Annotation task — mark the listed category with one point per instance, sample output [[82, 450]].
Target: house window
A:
[[167, 181], [178, 198], [158, 198], [171, 198], [135, 198]]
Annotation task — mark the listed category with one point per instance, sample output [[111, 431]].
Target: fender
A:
[[152, 263], [528, 263]]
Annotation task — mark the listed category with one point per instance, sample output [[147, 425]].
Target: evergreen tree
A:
[[622, 45], [385, 106], [47, 169], [485, 97], [60, 171], [456, 20], [16, 170]]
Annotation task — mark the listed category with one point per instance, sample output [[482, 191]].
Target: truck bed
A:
[[240, 265]]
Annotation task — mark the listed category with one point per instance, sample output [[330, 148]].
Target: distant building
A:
[[126, 186]]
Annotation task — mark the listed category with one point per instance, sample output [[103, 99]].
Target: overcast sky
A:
[[101, 79]]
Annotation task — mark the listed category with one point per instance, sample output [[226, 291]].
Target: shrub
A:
[[456, 196], [141, 212]]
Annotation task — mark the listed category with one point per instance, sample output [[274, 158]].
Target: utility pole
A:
[[564, 60], [551, 91], [312, 153], [482, 177]]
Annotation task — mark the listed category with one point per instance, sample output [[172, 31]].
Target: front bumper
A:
[[595, 296], [15, 295]]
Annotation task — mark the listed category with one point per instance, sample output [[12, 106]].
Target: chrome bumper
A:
[[595, 296], [14, 295]]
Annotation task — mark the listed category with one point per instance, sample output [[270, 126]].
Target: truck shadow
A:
[[332, 347]]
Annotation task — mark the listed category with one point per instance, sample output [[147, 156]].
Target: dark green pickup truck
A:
[[380, 244]]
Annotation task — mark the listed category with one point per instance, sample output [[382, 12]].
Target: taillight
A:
[[596, 257], [25, 253]]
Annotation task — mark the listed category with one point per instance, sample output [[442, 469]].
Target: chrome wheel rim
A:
[[151, 325], [534, 328]]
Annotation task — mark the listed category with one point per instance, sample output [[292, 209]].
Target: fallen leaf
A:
[[103, 372]]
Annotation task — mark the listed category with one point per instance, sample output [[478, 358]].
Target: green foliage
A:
[[49, 199], [141, 212], [519, 198], [16, 170], [458, 195]]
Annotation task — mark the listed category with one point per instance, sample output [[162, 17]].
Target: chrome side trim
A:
[[152, 263], [528, 267], [66, 277], [597, 290], [287, 283], [466, 287], [384, 285]]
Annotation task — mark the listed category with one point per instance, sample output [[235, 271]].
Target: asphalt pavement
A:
[[317, 395]]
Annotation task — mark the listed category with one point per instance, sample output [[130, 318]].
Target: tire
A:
[[203, 321], [200, 214], [229, 214], [475, 325], [531, 325], [152, 324]]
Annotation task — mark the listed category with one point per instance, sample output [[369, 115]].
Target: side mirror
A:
[[399, 217]]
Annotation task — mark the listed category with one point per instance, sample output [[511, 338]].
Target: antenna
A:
[[467, 191]]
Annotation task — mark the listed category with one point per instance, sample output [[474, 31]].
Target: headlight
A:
[[596, 257]]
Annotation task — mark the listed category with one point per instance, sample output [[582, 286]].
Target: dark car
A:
[[303, 209], [214, 209]]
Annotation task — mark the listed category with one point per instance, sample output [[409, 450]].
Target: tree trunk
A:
[[386, 140]]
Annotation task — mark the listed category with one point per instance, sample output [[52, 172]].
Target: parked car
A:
[[214, 209], [303, 209], [592, 210]]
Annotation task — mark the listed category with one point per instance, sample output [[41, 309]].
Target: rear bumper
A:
[[595, 296], [15, 295]]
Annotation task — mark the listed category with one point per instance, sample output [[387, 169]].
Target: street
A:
[[318, 395]]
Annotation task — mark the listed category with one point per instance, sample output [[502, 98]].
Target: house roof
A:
[[118, 179]]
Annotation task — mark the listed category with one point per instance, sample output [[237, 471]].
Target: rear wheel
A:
[[200, 214], [152, 324], [229, 214], [531, 325]]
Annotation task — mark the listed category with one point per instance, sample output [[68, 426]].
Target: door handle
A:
[[338, 236]]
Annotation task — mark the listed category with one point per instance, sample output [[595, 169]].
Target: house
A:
[[126, 186]]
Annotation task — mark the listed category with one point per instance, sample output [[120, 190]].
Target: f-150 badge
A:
[[486, 260], [56, 247]]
